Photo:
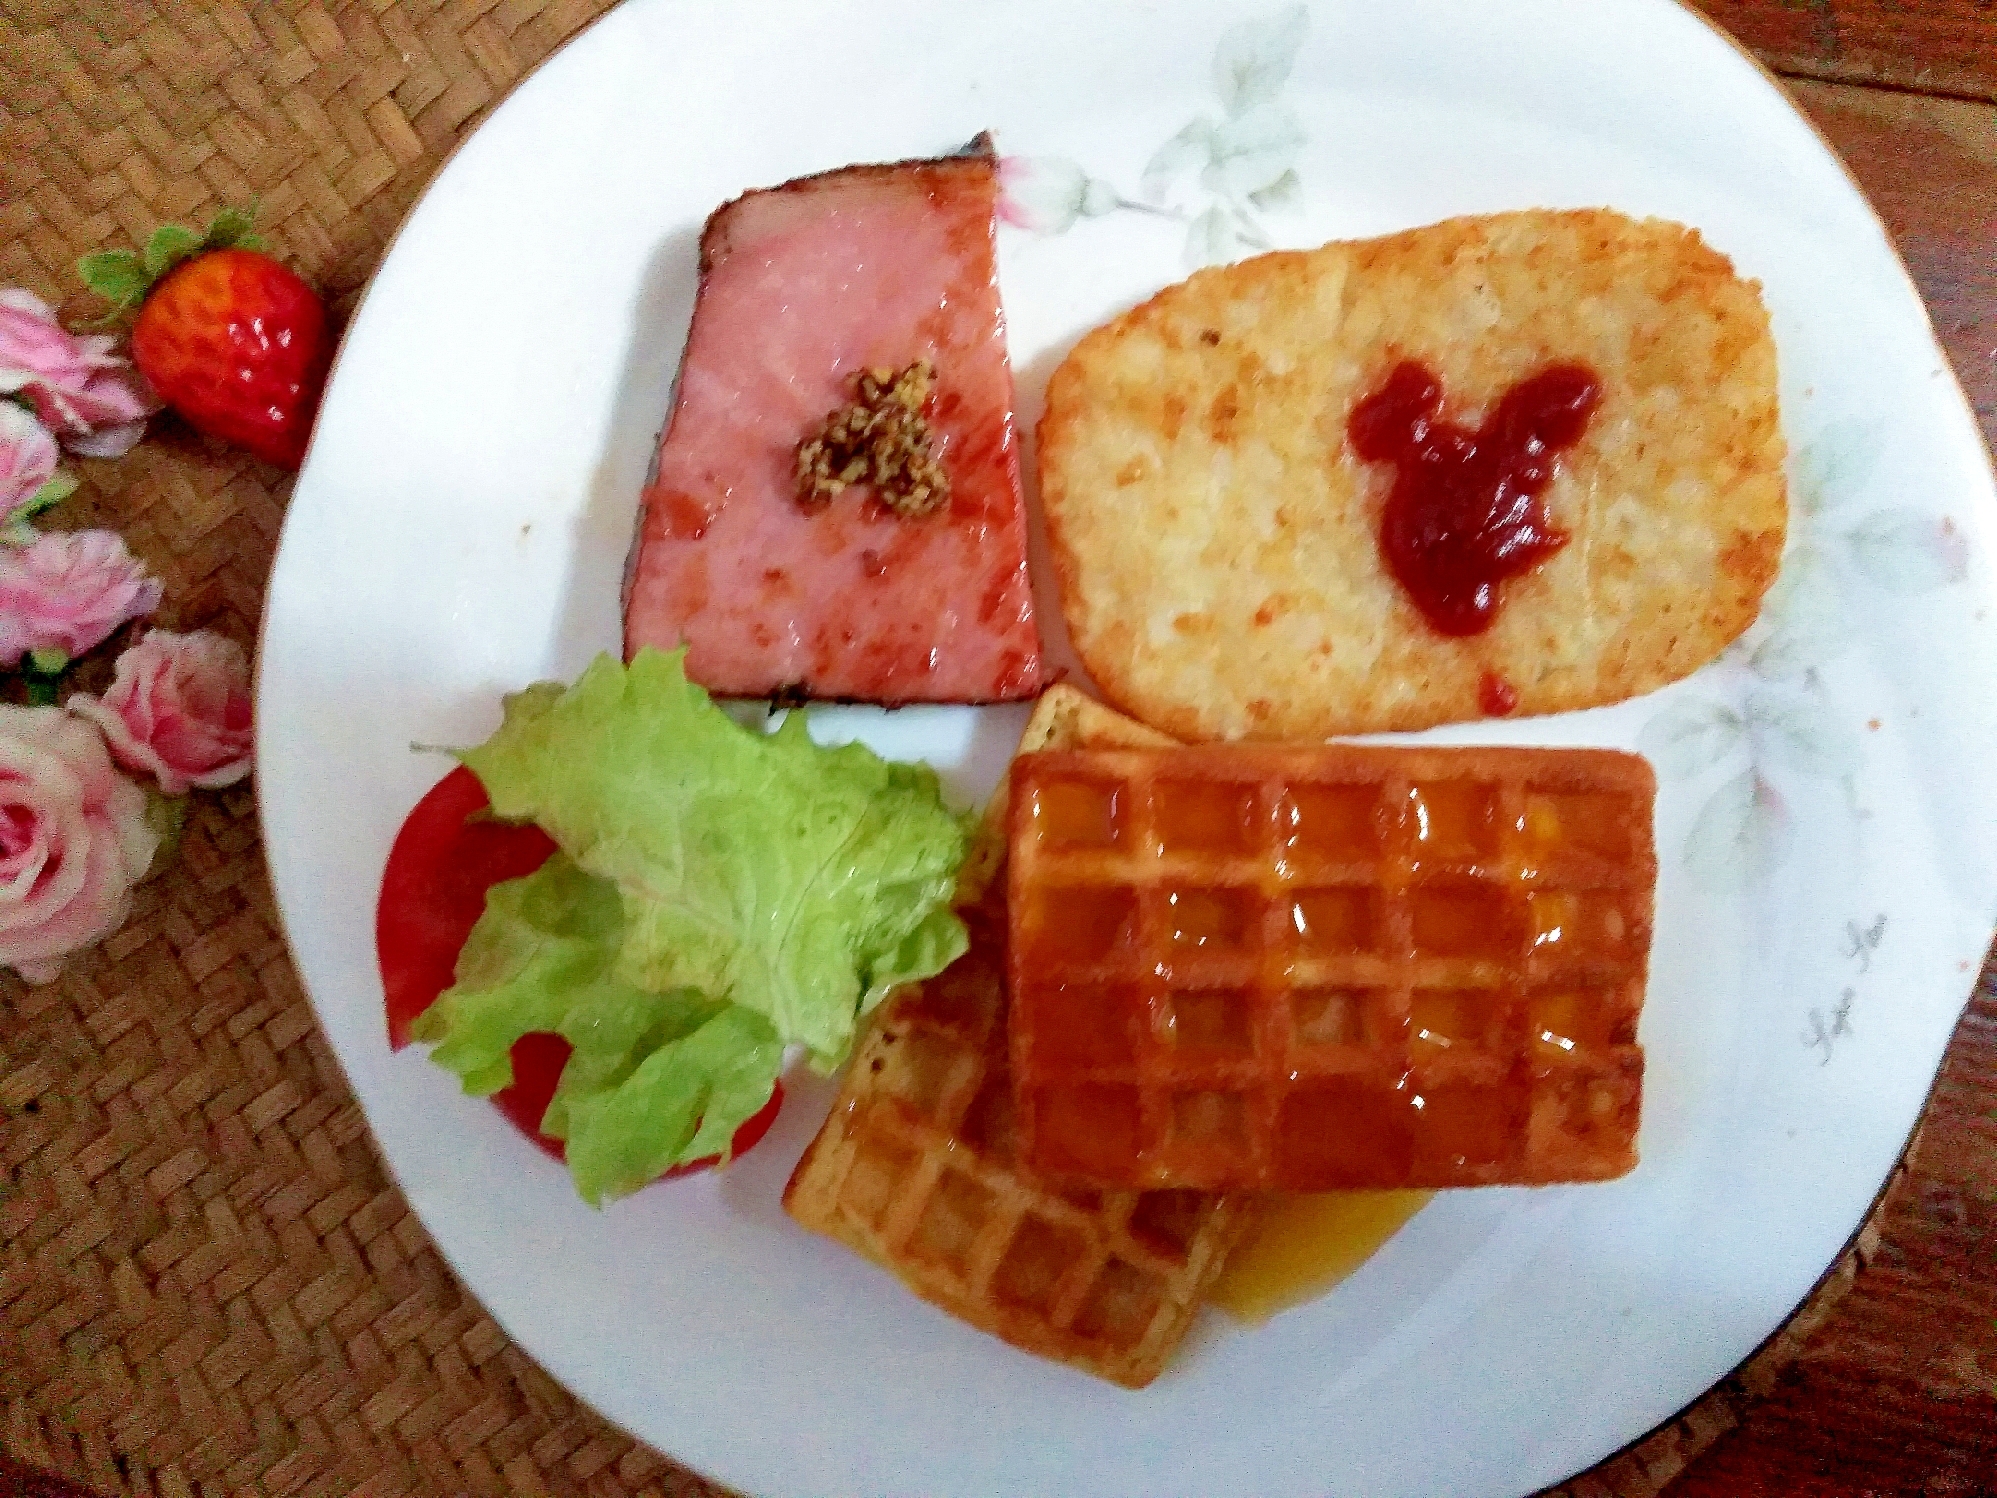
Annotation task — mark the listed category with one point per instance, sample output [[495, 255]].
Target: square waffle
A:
[[1305, 969], [918, 1166]]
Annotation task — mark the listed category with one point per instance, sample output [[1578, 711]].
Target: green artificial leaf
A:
[[167, 817], [117, 276], [230, 229], [59, 486], [796, 881], [170, 244], [123, 277]]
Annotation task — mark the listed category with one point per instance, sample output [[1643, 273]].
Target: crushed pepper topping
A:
[[882, 440]]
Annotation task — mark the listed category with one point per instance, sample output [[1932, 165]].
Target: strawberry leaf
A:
[[170, 244], [116, 275], [230, 229], [123, 278]]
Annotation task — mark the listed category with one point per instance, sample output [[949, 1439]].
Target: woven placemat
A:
[[208, 1283]]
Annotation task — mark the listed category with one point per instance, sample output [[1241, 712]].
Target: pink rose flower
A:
[[178, 709], [89, 397], [73, 840], [27, 457], [67, 591]]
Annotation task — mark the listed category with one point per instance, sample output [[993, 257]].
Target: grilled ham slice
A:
[[803, 288]]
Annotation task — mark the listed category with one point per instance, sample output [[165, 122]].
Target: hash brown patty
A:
[[1217, 542]]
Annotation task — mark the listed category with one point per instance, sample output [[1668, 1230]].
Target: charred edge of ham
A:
[[979, 149]]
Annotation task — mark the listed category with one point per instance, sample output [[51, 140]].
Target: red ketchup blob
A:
[[1496, 696], [1465, 512], [442, 862]]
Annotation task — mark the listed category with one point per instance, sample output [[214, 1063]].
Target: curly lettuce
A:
[[720, 894]]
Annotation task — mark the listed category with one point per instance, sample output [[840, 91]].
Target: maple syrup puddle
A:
[[1305, 1245]]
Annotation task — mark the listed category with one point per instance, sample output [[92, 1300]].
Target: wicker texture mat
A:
[[208, 1283]]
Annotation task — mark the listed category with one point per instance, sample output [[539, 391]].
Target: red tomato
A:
[[433, 891], [537, 1060], [432, 894]]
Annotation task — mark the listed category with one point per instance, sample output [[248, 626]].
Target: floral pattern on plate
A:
[[1785, 722], [1215, 175]]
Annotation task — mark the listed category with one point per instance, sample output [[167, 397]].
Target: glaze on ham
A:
[[802, 287]]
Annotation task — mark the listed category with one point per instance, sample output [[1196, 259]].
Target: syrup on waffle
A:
[[918, 1166], [1305, 969]]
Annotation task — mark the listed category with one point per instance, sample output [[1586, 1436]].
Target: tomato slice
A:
[[443, 861], [537, 1060], [433, 891]]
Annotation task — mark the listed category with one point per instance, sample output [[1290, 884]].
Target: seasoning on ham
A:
[[883, 272], [881, 440]]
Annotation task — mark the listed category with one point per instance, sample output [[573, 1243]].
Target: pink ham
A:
[[801, 287]]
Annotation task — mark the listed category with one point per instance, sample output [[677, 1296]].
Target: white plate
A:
[[1827, 817]]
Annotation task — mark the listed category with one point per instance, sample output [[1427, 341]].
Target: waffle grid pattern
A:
[[1307, 969], [917, 1169]]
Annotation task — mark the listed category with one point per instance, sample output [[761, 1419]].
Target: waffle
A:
[[1305, 969], [918, 1169]]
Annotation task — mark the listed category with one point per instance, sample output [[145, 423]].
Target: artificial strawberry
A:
[[227, 336]]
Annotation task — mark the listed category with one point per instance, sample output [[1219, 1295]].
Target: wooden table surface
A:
[[1894, 1389]]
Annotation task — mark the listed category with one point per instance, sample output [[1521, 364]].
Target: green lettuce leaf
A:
[[611, 1036], [655, 1080], [545, 945], [796, 881], [684, 1102], [720, 894]]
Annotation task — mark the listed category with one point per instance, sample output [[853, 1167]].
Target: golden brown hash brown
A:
[[1216, 541]]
